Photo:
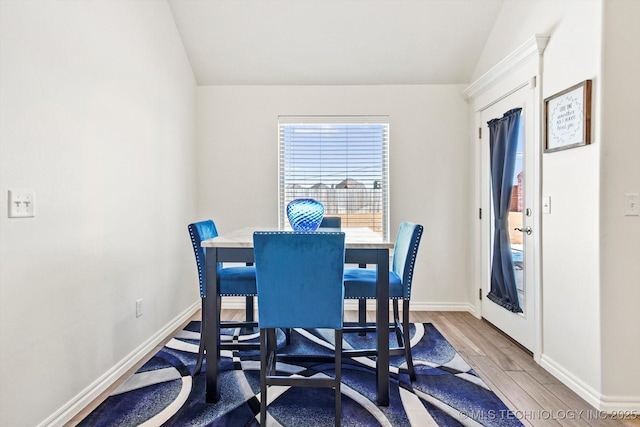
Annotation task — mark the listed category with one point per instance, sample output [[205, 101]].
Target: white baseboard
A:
[[443, 306], [91, 392], [583, 390], [608, 404], [629, 405], [233, 303], [238, 303]]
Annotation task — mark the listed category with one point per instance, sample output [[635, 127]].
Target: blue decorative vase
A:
[[305, 214]]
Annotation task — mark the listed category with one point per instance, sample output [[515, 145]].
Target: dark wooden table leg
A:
[[382, 327]]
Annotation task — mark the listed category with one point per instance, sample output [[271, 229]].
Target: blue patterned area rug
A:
[[447, 391]]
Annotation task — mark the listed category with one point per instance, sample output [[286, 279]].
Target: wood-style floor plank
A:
[[552, 406], [487, 346], [455, 336], [522, 401], [526, 362]]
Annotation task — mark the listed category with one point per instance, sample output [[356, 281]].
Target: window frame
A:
[[341, 121]]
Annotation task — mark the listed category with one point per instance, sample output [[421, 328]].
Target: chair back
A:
[[299, 279], [331, 222], [405, 252], [200, 231]]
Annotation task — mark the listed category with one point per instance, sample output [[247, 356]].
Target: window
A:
[[340, 161]]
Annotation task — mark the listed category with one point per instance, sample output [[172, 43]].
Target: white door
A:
[[519, 326]]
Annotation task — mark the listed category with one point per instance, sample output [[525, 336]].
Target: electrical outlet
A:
[[22, 203], [139, 307]]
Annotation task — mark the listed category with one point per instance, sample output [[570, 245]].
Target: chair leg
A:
[[396, 322], [248, 313], [271, 350], [338, 375], [263, 376], [249, 309], [198, 367], [362, 315], [362, 310], [407, 339]]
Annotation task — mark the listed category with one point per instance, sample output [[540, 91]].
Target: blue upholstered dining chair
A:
[[234, 281], [299, 278], [331, 222], [360, 283]]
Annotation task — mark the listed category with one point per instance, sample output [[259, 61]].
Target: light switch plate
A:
[[22, 203], [546, 205], [632, 204]]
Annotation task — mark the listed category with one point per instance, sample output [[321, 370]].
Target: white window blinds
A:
[[340, 161]]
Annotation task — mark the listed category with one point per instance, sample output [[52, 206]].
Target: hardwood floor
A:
[[535, 397]]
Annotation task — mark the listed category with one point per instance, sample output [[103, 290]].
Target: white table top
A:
[[355, 238]]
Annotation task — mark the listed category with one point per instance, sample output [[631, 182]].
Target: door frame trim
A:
[[521, 68]]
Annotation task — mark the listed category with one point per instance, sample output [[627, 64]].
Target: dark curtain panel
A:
[[503, 142]]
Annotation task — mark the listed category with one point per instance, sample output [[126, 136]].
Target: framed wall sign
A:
[[568, 118]]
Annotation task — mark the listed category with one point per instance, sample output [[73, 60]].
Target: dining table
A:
[[362, 246]]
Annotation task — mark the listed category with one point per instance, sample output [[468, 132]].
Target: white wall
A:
[[238, 165], [571, 238], [620, 174], [97, 115], [590, 278]]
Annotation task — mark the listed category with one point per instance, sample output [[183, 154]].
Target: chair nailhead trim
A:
[[414, 253], [198, 263]]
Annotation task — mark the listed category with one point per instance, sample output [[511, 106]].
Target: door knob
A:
[[527, 230]]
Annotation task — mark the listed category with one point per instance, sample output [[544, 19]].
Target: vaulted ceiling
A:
[[334, 42]]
